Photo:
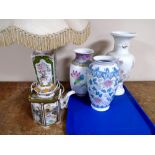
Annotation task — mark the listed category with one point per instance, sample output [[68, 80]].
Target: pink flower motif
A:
[[41, 66], [107, 83], [98, 100], [75, 74]]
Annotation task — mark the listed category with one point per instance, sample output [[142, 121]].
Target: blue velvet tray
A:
[[125, 117]]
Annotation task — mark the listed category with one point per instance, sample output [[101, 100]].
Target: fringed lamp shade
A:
[[43, 35]]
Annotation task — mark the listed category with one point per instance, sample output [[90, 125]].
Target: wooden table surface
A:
[[15, 110]]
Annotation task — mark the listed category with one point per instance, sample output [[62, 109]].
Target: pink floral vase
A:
[[78, 70]]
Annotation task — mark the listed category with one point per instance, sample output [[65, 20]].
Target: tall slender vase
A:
[[78, 70], [122, 54]]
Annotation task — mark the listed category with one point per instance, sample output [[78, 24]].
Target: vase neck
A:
[[121, 45], [83, 57]]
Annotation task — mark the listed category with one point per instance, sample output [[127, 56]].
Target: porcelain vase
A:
[[102, 80], [78, 69], [122, 54]]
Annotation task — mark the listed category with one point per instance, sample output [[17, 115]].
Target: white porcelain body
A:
[[122, 54], [102, 81], [78, 79], [78, 70], [46, 114]]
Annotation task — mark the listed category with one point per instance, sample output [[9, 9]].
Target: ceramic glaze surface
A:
[[102, 81], [122, 54], [43, 70], [44, 65], [78, 70], [46, 107], [45, 114]]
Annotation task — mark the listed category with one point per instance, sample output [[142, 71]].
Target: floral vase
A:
[[122, 54], [44, 65], [102, 80], [78, 69]]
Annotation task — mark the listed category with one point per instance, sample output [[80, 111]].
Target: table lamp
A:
[[44, 36]]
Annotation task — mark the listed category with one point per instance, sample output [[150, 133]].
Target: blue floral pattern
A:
[[102, 84]]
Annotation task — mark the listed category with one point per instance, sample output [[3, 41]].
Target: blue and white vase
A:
[[102, 81]]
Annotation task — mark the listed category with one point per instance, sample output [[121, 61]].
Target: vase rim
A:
[[84, 51], [105, 60], [123, 34], [103, 57]]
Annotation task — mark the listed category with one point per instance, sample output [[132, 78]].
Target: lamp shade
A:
[[43, 34]]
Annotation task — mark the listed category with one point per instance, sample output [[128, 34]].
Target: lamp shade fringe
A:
[[14, 34]]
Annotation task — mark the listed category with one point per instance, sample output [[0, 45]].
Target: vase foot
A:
[[100, 109]]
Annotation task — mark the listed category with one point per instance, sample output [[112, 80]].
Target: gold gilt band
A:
[[14, 34]]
